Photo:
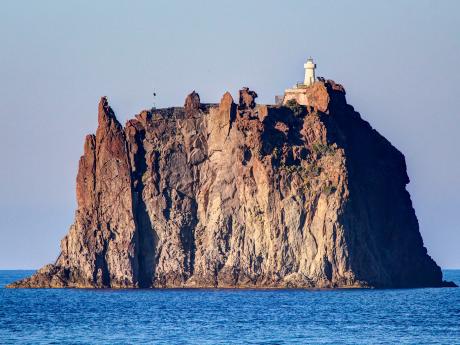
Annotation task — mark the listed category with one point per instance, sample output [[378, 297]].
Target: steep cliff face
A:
[[242, 195]]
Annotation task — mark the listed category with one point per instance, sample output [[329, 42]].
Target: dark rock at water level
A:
[[242, 195]]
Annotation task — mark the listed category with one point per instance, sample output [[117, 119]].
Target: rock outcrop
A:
[[241, 195]]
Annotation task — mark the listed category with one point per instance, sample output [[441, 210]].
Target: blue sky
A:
[[398, 61]]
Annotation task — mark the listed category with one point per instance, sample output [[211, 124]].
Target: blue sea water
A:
[[74, 316]]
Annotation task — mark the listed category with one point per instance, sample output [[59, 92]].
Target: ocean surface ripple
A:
[[206, 316]]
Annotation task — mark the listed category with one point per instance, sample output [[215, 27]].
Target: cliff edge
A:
[[242, 195]]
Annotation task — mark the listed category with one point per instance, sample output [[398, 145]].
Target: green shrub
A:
[[322, 149], [328, 190], [276, 153], [313, 170], [295, 107]]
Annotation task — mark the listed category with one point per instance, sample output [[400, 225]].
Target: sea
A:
[[229, 316]]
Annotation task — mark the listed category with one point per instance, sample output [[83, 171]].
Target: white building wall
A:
[[309, 72]]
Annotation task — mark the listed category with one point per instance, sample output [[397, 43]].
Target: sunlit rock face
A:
[[242, 195]]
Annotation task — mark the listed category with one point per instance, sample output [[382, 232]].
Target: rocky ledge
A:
[[242, 195]]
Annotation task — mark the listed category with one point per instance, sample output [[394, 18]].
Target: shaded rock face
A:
[[192, 104], [247, 99], [241, 196]]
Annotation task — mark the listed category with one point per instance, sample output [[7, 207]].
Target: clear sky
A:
[[398, 60]]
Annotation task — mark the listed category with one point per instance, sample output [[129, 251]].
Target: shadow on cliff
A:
[[146, 236], [282, 128], [385, 245]]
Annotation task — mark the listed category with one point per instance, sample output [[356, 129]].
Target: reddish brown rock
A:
[[192, 104], [241, 196], [247, 98]]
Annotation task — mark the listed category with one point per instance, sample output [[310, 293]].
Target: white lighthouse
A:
[[309, 72], [302, 92]]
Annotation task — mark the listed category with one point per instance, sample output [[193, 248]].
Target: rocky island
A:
[[242, 195]]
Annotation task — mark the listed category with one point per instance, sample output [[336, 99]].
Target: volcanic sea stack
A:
[[242, 195]]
